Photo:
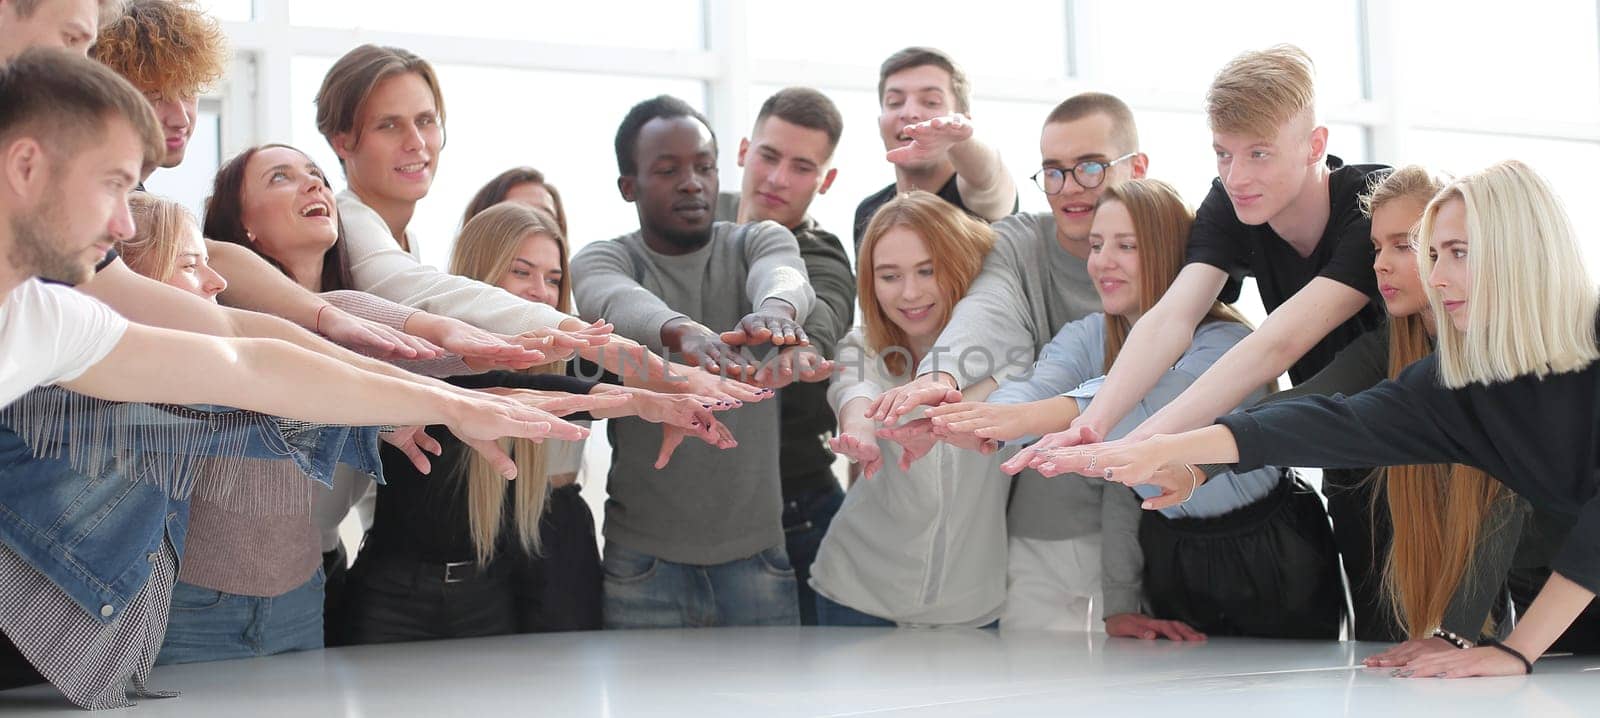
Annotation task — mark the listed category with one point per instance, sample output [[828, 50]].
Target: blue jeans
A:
[[806, 519], [643, 591], [209, 625], [833, 613]]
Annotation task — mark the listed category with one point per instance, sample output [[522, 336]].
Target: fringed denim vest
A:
[[89, 490]]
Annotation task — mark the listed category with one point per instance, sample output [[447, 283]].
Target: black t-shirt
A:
[[1344, 254], [805, 419], [949, 193], [424, 516]]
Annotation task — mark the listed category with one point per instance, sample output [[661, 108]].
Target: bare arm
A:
[[1287, 335], [147, 301], [256, 285], [985, 186], [275, 377], [1157, 341]]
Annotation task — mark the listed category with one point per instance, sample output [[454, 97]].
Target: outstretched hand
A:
[[373, 339], [859, 449], [915, 438], [415, 443], [926, 390], [560, 344], [716, 434], [1034, 455], [1002, 422], [792, 364], [931, 139], [773, 323]]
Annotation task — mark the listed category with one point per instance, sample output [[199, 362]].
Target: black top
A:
[[1541, 438], [424, 516], [1344, 254], [805, 419], [1508, 537], [950, 192]]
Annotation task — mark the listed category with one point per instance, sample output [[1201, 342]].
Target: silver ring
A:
[[1108, 475], [1092, 460]]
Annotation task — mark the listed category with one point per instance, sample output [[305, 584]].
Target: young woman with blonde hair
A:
[[920, 544], [1513, 390], [522, 557], [1261, 529]]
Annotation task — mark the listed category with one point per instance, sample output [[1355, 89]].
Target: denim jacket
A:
[[95, 534]]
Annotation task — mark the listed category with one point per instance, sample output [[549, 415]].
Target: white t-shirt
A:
[[50, 334]]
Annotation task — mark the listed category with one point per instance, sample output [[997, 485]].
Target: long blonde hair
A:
[[158, 226], [484, 251], [957, 243], [1532, 302], [1437, 510], [1161, 221]]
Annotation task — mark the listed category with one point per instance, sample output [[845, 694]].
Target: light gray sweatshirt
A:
[[1029, 288], [708, 506]]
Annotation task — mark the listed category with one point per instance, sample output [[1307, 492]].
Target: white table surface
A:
[[837, 672]]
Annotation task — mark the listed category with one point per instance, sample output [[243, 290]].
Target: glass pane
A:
[[1023, 37], [1146, 60], [490, 130], [1568, 166], [1542, 64], [650, 24], [190, 182], [229, 10]]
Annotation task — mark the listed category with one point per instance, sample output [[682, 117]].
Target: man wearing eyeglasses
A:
[[1034, 281], [924, 118]]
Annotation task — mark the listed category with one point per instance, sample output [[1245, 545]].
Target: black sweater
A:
[[424, 516], [1539, 437], [1500, 550]]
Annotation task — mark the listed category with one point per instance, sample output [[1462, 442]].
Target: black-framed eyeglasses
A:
[[1089, 174]]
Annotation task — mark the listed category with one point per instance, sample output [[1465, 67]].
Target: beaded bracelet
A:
[[1527, 665], [1452, 639]]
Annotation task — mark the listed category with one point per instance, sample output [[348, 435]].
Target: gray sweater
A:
[[709, 506], [1029, 288]]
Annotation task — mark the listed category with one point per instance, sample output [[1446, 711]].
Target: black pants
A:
[[806, 519], [560, 588], [391, 597], [1363, 532], [1267, 570], [335, 571]]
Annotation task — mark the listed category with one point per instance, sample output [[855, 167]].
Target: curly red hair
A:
[[168, 47]]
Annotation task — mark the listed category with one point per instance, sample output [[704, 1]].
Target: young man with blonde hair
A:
[[925, 120], [1285, 212]]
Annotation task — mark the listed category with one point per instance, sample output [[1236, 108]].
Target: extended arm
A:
[[1156, 342], [277, 378], [1286, 336]]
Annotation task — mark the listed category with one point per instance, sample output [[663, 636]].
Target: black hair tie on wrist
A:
[[1527, 665]]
